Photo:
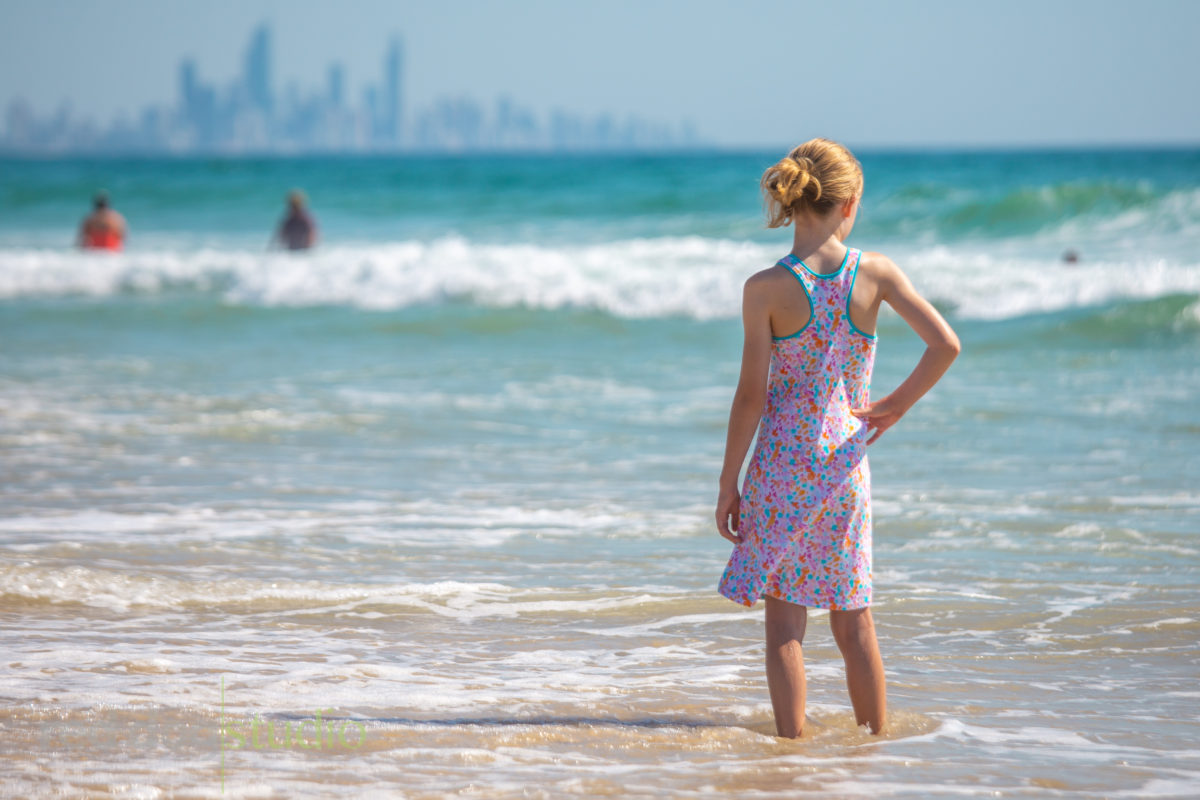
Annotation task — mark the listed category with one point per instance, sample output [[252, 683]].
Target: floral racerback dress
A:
[[806, 501]]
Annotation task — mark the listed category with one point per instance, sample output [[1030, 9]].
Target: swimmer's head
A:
[[100, 200], [814, 178], [295, 199]]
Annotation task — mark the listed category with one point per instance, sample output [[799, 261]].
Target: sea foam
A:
[[689, 276]]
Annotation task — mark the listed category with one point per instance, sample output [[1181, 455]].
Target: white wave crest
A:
[[690, 276], [980, 285]]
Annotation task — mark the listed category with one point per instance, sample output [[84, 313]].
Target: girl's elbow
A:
[[952, 347], [947, 347]]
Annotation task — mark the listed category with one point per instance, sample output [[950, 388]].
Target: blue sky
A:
[[869, 72]]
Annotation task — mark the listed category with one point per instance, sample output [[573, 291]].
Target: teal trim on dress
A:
[[812, 308], [833, 274], [850, 295]]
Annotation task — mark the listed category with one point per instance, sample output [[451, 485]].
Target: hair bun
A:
[[814, 177], [792, 180]]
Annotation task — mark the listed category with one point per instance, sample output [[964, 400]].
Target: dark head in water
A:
[[298, 230]]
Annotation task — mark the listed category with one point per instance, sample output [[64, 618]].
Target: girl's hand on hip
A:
[[729, 506], [880, 416]]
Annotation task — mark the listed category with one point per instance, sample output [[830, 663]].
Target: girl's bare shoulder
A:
[[767, 279], [879, 268]]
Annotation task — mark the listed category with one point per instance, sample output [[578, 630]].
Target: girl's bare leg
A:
[[854, 632], [785, 625]]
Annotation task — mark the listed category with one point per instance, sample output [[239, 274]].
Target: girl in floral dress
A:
[[801, 527]]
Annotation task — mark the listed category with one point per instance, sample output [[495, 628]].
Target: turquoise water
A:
[[451, 476]]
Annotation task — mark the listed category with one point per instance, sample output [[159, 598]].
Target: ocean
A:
[[428, 510]]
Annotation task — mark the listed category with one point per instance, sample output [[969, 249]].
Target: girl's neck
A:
[[816, 242]]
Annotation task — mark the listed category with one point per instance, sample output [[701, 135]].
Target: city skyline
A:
[[251, 115], [764, 75]]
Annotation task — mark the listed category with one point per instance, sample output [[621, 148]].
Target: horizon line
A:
[[550, 152]]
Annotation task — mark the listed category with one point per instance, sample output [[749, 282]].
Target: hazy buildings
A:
[[257, 72], [393, 103], [250, 116]]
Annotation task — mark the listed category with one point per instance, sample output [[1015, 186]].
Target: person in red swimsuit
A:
[[104, 228]]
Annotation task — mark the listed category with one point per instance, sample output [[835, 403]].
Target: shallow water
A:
[[454, 494]]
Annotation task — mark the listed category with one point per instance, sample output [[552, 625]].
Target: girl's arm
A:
[[941, 348], [748, 402]]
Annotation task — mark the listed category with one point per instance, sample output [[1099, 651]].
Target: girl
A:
[[802, 533]]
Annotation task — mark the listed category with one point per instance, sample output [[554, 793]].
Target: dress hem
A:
[[751, 602]]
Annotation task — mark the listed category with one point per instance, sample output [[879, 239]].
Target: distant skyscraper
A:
[[187, 87], [257, 75], [392, 107], [197, 106], [370, 104], [337, 84]]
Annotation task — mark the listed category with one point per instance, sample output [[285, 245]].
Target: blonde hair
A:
[[815, 178]]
